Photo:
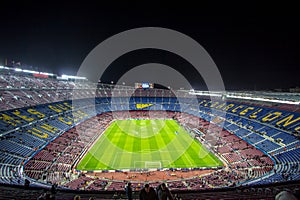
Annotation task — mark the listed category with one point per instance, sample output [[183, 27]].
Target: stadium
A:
[[92, 138], [101, 99]]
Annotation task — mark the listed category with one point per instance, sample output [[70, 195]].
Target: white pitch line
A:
[[188, 159], [96, 149]]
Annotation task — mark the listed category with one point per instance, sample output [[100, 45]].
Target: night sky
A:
[[254, 46]]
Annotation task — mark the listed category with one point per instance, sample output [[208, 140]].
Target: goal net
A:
[[152, 164]]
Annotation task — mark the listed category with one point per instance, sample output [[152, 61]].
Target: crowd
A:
[[54, 163], [149, 193]]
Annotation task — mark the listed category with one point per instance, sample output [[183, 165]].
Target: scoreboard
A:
[[144, 85]]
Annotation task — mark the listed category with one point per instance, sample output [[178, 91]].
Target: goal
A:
[[152, 164]]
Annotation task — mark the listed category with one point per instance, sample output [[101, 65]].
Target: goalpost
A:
[[152, 164]]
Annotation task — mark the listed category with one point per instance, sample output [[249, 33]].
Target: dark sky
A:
[[253, 45]]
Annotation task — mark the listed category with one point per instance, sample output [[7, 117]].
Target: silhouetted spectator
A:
[[285, 195], [27, 183], [77, 197], [148, 193], [129, 191], [164, 193]]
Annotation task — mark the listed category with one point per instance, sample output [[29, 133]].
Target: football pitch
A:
[[146, 144]]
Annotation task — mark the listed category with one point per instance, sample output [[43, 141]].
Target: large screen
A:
[[144, 85]]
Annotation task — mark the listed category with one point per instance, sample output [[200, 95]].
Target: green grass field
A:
[[137, 144]]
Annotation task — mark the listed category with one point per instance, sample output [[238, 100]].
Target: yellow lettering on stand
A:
[[214, 104], [62, 107], [38, 133], [75, 118], [221, 106], [54, 108], [236, 108], [271, 117], [254, 115], [35, 112], [49, 128], [68, 105], [64, 121], [288, 121], [26, 118], [228, 107], [244, 112], [9, 120], [207, 104], [82, 113], [77, 115], [203, 101]]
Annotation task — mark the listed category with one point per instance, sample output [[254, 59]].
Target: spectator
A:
[[148, 193], [164, 193], [27, 183], [285, 195], [53, 188], [77, 197], [129, 191]]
